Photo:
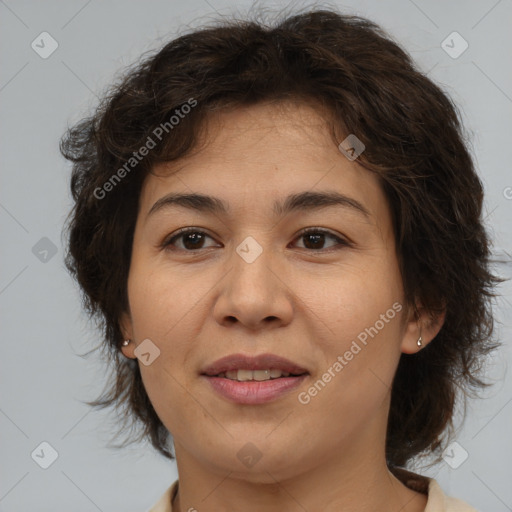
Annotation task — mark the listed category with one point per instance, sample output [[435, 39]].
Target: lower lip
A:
[[254, 392]]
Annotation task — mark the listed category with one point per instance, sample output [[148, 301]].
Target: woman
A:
[[281, 230]]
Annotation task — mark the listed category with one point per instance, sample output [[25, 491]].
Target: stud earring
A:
[[419, 342], [126, 343]]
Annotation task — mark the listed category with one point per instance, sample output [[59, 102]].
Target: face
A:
[[249, 281]]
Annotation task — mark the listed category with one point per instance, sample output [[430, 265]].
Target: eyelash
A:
[[168, 242]]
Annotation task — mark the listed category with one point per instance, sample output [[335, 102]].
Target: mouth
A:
[[253, 380], [242, 375], [253, 392], [246, 367]]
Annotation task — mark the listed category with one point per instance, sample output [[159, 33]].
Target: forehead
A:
[[252, 156]]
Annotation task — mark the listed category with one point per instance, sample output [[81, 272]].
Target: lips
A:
[[254, 392], [259, 362]]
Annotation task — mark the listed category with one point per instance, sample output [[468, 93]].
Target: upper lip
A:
[[259, 362]]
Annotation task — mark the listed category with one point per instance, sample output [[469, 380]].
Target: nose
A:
[[255, 294]]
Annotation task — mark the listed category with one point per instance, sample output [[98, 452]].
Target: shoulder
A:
[[437, 500], [164, 504]]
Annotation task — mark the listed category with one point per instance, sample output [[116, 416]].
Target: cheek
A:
[[353, 298], [358, 332], [161, 300], [359, 358], [168, 308]]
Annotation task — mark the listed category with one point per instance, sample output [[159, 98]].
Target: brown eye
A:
[[191, 239], [315, 239]]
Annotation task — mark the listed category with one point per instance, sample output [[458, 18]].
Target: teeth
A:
[[258, 375]]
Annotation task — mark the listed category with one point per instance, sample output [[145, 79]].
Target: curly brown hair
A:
[[370, 87]]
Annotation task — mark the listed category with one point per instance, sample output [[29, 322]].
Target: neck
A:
[[361, 484]]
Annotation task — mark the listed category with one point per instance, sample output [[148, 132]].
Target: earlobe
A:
[[421, 330], [127, 346]]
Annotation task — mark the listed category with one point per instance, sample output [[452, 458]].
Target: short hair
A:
[[368, 86]]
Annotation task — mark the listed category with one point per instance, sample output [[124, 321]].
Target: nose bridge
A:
[[253, 290], [252, 266]]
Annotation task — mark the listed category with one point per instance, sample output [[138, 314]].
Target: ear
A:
[[125, 324], [421, 323]]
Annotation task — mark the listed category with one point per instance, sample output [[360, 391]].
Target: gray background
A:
[[43, 330]]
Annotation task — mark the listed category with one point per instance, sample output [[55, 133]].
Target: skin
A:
[[306, 304]]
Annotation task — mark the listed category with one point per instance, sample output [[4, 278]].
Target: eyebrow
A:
[[303, 201]]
